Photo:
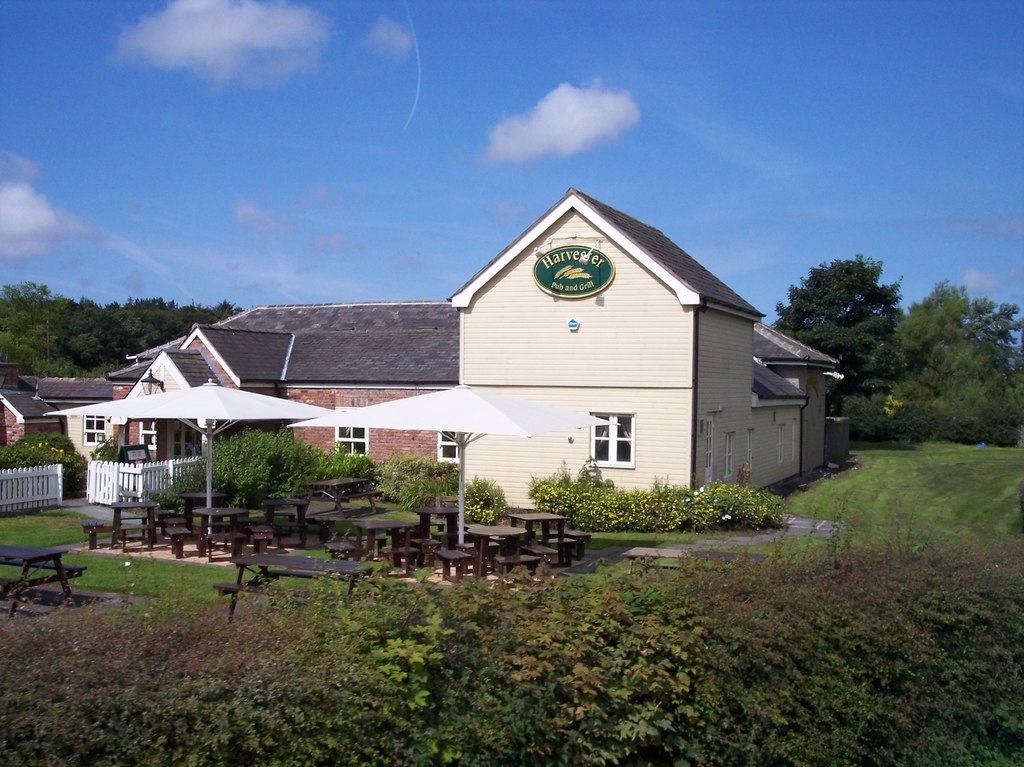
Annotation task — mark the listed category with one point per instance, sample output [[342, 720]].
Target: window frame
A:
[[450, 443], [614, 440], [730, 438], [351, 440], [148, 436], [90, 430]]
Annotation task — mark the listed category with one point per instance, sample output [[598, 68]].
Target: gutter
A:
[[693, 389]]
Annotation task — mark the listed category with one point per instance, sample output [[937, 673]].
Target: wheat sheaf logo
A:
[[573, 271]]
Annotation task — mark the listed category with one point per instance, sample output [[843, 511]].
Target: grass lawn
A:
[[935, 490], [895, 493]]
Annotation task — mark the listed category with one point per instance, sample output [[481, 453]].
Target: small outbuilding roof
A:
[[775, 346]]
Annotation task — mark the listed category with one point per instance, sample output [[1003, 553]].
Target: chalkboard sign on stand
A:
[[133, 454]]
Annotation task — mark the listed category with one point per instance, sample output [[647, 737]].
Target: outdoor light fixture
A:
[[151, 383]]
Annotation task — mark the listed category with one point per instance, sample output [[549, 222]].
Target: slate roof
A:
[[410, 342], [772, 345], [398, 356], [35, 396], [70, 388], [366, 317], [252, 355], [414, 342], [25, 403], [660, 248], [770, 385], [193, 366]]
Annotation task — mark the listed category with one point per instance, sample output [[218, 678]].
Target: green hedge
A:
[[848, 658], [598, 506]]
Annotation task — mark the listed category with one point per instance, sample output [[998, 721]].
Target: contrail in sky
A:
[[419, 68]]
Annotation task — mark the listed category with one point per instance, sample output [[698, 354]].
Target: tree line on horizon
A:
[[53, 336], [949, 367]]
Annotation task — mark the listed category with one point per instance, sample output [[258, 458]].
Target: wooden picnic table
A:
[[531, 518], [509, 540], [563, 549], [293, 510], [370, 527], [451, 523], [266, 568], [344, 489], [192, 500], [35, 567], [139, 511]]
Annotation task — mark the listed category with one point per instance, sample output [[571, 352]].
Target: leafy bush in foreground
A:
[[909, 658]]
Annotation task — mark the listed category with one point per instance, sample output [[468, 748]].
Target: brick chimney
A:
[[9, 374]]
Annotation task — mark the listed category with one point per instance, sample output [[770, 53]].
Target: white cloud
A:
[[390, 39], [983, 283], [224, 40], [30, 225], [979, 282], [566, 121], [249, 215]]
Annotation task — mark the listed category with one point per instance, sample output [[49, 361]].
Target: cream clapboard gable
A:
[[633, 353]]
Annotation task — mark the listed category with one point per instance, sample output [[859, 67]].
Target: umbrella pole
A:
[[462, 442], [209, 470]]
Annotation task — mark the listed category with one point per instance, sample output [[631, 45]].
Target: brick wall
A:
[[383, 442]]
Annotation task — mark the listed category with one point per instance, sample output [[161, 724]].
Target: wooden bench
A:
[[371, 495], [655, 557], [505, 564], [544, 552], [325, 522], [340, 548], [580, 538], [179, 536], [208, 541], [260, 536], [237, 588], [453, 559], [138, 534], [93, 529]]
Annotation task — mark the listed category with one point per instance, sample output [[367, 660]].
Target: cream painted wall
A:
[[633, 334], [725, 376], [662, 438], [767, 468]]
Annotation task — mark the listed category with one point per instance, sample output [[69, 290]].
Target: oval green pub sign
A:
[[573, 271]]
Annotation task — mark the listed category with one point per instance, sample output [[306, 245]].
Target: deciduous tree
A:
[[844, 310]]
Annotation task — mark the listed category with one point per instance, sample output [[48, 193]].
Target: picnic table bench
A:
[[672, 558], [345, 489], [266, 568], [35, 567]]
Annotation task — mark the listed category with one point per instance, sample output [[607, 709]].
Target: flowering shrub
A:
[[43, 450], [600, 507], [485, 501], [725, 505]]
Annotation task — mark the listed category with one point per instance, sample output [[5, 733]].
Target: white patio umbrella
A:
[[465, 412], [209, 408]]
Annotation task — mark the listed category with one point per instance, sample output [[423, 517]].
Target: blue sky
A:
[[306, 151]]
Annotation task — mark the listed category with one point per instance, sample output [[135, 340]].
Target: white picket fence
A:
[[111, 482], [37, 487]]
